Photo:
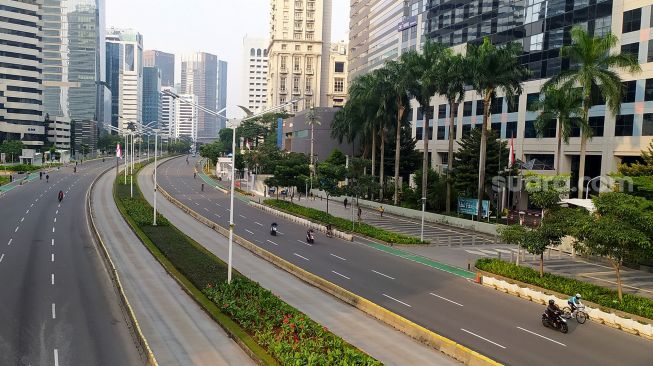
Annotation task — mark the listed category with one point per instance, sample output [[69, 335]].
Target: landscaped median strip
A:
[[426, 336]]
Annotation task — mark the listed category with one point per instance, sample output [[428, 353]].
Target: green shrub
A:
[[602, 296], [342, 224], [21, 167]]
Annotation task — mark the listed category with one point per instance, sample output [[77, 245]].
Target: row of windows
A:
[[17, 21], [19, 44], [12, 9]]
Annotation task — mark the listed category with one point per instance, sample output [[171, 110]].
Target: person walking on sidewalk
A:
[[345, 202], [360, 213], [381, 209]]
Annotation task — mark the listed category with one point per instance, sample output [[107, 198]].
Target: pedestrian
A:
[[194, 175], [40, 175], [360, 213], [345, 202], [202, 187], [47, 178], [381, 209]]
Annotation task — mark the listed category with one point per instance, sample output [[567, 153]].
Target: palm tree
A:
[[450, 82], [383, 92], [494, 69], [593, 67], [424, 68], [312, 120], [564, 106]]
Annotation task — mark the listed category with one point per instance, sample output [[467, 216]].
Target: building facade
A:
[[300, 39], [542, 27], [151, 96], [21, 73], [85, 139], [168, 112], [199, 77], [255, 73], [164, 61], [337, 92], [221, 93], [187, 117], [297, 134], [125, 75]]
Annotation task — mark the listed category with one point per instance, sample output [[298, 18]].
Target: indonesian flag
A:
[[511, 157], [118, 151]]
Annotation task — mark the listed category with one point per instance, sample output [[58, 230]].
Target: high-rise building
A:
[[222, 92], [168, 112], [164, 61], [199, 77], [85, 137], [125, 75], [151, 96], [21, 73], [255, 73], [337, 92], [186, 117], [73, 65], [300, 39]]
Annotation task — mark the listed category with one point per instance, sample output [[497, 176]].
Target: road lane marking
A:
[[52, 242], [445, 299], [243, 217], [485, 339], [23, 219], [541, 336], [55, 219], [16, 229], [54, 312], [341, 275], [27, 212], [10, 240], [197, 204], [399, 301], [56, 213], [258, 223], [341, 258], [218, 216], [384, 275], [280, 233], [32, 205], [53, 229], [56, 357], [52, 258], [300, 256], [52, 279], [303, 242], [249, 232], [2, 257], [270, 241], [206, 209]]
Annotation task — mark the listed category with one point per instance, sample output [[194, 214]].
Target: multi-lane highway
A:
[[57, 304], [503, 327]]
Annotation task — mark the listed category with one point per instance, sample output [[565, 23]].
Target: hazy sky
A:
[[214, 26]]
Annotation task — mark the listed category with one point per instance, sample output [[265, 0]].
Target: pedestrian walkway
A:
[[28, 177]]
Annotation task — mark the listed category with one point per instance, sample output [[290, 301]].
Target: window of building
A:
[[648, 90], [309, 36], [338, 85], [442, 111], [530, 99], [632, 20], [309, 64], [310, 15], [339, 67], [252, 52], [596, 124], [649, 56], [529, 131], [513, 104], [309, 84], [295, 107], [629, 91], [284, 61], [497, 105], [309, 48], [284, 35], [295, 84], [537, 42], [543, 161], [624, 125], [297, 63], [647, 124], [496, 128], [297, 36], [631, 48], [602, 26], [467, 109], [282, 83], [441, 133], [420, 114], [479, 108], [535, 10], [511, 130], [284, 46], [298, 47], [467, 129], [419, 130]]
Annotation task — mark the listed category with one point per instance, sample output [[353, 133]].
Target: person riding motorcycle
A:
[[60, 196], [574, 302], [552, 311]]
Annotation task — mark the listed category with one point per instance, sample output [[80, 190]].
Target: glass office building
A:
[[151, 96]]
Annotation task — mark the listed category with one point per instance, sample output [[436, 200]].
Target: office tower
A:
[[255, 73], [187, 117], [151, 96], [21, 98], [222, 92], [337, 92], [300, 39], [164, 61], [125, 75], [199, 77], [168, 112]]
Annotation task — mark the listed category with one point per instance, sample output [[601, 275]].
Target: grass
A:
[[4, 179]]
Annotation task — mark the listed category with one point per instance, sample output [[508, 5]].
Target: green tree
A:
[[562, 105], [620, 230], [593, 67], [12, 148], [330, 173], [545, 192], [643, 168], [494, 69]]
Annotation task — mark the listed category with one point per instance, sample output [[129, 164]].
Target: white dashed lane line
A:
[[271, 242], [52, 258], [541, 336], [52, 242], [333, 255], [52, 279], [16, 229], [300, 256], [445, 299], [258, 223], [10, 240], [341, 275], [252, 233], [56, 357], [399, 301], [243, 217], [383, 274], [485, 339], [2, 257], [54, 311]]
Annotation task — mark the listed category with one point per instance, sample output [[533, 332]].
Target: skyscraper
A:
[[337, 92], [300, 38], [21, 99], [168, 112], [151, 96], [125, 75], [164, 61], [73, 66], [199, 77], [255, 73], [222, 92], [186, 117]]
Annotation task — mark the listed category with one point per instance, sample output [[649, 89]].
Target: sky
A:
[[213, 26]]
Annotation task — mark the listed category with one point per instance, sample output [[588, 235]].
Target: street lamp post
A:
[[156, 131], [421, 234], [587, 191]]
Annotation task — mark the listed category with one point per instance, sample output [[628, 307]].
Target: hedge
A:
[[288, 335], [343, 224], [602, 296]]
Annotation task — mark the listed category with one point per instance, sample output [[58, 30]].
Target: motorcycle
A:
[[559, 324], [273, 229], [310, 238]]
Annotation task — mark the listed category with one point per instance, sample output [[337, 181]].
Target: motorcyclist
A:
[[273, 228], [574, 302], [552, 311], [329, 230], [60, 196]]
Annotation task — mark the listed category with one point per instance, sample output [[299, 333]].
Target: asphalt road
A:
[[57, 303], [500, 326]]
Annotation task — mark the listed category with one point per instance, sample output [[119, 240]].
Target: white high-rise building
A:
[[168, 112], [186, 117], [125, 75], [300, 39], [255, 73]]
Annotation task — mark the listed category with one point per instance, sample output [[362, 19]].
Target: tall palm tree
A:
[[450, 82], [384, 93], [401, 79], [564, 106], [494, 69], [424, 68], [593, 67]]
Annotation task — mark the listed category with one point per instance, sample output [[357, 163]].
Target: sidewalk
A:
[[461, 248]]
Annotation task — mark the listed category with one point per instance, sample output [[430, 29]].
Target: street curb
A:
[[115, 277], [421, 334]]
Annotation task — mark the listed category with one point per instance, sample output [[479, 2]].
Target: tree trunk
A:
[[483, 153], [373, 150], [454, 107], [541, 264], [583, 148], [400, 114], [327, 197], [425, 139], [381, 163], [559, 151], [617, 268]]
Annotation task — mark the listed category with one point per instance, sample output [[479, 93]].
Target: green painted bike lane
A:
[[214, 183], [17, 183]]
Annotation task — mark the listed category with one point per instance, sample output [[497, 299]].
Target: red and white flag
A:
[[118, 151], [511, 157]]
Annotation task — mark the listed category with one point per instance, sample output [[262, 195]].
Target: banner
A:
[[469, 206], [118, 151], [280, 133]]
